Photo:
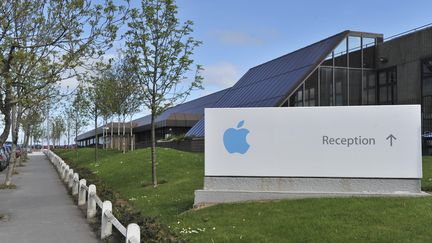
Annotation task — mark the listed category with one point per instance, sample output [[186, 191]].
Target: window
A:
[[311, 90], [355, 90], [326, 86], [341, 92], [387, 87], [296, 98], [369, 91]]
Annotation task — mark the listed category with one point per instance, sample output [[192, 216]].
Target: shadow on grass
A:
[[149, 183]]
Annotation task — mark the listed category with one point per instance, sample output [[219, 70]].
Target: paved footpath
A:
[[40, 209]]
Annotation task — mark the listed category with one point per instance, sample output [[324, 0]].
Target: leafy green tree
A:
[[79, 111], [31, 121], [161, 49], [95, 94], [127, 93], [58, 128], [36, 132], [45, 41]]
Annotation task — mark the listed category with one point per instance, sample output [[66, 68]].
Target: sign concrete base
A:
[[237, 189]]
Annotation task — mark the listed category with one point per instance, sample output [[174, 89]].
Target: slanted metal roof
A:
[[182, 115], [189, 111], [112, 126], [269, 84]]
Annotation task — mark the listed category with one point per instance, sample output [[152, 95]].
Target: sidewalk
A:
[[40, 209]]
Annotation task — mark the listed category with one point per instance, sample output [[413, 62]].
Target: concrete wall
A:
[[405, 53]]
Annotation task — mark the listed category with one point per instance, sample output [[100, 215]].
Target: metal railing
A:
[[87, 196]]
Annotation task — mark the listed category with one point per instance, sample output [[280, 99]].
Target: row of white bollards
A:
[[87, 196]]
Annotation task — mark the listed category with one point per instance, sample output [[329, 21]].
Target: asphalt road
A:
[[40, 209]]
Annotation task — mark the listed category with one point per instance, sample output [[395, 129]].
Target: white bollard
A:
[[75, 184], [91, 202], [82, 192], [66, 175], [70, 178], [63, 167], [133, 233], [106, 227], [65, 170]]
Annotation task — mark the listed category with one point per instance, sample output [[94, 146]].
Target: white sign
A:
[[344, 141]]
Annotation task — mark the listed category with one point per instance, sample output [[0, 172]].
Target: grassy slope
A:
[[179, 173], [332, 219], [427, 174]]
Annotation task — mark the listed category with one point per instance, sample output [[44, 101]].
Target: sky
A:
[[240, 34]]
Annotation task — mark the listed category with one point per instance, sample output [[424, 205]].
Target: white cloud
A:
[[222, 75], [70, 84]]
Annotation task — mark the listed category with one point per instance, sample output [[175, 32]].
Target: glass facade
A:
[[347, 77], [326, 86], [387, 87], [369, 87], [296, 98]]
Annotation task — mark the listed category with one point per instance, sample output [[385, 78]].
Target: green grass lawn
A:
[[306, 220]]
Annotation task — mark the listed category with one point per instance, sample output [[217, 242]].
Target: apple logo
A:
[[235, 139]]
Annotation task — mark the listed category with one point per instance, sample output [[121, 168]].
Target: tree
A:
[[95, 94], [79, 112], [69, 123], [36, 132], [31, 122], [45, 41], [125, 92], [160, 48], [57, 130], [28, 102]]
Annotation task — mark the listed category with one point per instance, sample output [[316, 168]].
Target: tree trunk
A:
[[103, 134], [106, 134], [124, 135], [153, 151], [12, 162], [118, 134], [26, 142], [96, 136], [6, 128], [48, 135], [131, 135], [7, 106], [68, 133], [112, 133], [76, 136]]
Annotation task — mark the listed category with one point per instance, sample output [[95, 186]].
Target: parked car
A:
[[37, 146], [427, 135], [8, 149], [8, 145]]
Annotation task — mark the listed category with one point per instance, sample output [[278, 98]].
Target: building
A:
[[349, 68], [175, 121]]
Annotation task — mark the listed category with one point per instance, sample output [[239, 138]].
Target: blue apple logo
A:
[[235, 139]]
